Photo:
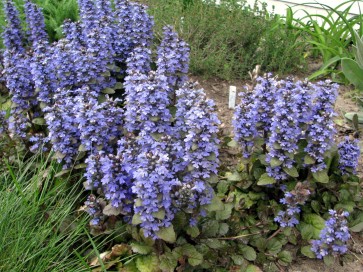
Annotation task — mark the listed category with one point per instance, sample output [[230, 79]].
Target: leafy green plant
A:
[[329, 39]]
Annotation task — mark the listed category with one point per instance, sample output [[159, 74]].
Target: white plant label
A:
[[232, 97]]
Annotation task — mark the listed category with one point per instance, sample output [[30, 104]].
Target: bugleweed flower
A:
[[153, 183], [64, 134], [292, 200], [44, 74], [197, 121], [173, 58], [285, 132], [334, 237], [88, 16], [94, 209], [303, 102], [133, 27], [116, 183], [99, 123], [321, 131], [265, 96], [147, 103], [13, 35], [35, 23], [349, 153], [244, 123]]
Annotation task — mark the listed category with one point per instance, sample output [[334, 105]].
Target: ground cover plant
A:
[[107, 107]]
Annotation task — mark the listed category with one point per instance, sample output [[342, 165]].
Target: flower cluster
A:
[[64, 134], [244, 123], [265, 96], [349, 153], [99, 123], [334, 237], [13, 35], [198, 123], [173, 58], [35, 23], [321, 131], [285, 132], [292, 200]]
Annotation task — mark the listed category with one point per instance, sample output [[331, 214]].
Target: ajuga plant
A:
[[290, 164], [146, 138]]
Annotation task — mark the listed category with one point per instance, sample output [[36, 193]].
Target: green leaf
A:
[[265, 179], [212, 243], [292, 172], [306, 251], [357, 228], [237, 259], [248, 252], [234, 177], [309, 159], [118, 86], [157, 136], [160, 214], [233, 143], [352, 72], [226, 213], [136, 219], [274, 162], [192, 231], [167, 234], [213, 179], [39, 121], [80, 166], [223, 229], [168, 262], [147, 263], [253, 268], [321, 176], [329, 260], [194, 257], [108, 91], [350, 116], [274, 246], [316, 222], [210, 228], [82, 148], [212, 157], [215, 205], [285, 256], [141, 248], [62, 173], [111, 210]]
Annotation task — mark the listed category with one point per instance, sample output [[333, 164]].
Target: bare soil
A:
[[218, 90]]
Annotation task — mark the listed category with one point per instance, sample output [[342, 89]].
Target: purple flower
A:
[[349, 153], [173, 58], [334, 237], [321, 131], [285, 132], [244, 123], [35, 23], [292, 201]]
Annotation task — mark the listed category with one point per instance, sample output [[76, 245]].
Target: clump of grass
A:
[[40, 229], [229, 40]]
